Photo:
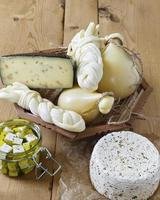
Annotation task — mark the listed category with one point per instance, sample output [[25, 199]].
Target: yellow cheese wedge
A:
[[37, 71]]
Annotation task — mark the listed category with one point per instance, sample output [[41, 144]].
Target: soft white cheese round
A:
[[125, 166]]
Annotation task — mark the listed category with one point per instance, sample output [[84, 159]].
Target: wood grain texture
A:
[[78, 14], [27, 26], [30, 25]]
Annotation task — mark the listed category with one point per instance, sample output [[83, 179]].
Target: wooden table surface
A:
[[26, 26]]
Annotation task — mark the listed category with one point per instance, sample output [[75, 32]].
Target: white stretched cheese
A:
[[125, 166], [37, 71]]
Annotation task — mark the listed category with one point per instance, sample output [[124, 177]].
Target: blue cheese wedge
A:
[[18, 149], [37, 71], [124, 166]]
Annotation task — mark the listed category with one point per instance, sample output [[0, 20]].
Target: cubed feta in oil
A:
[[19, 134], [5, 148], [26, 146], [18, 149], [30, 137], [12, 166], [13, 173], [23, 164], [9, 137], [17, 140]]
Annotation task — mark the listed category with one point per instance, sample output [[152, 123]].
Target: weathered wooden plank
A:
[[78, 14], [148, 43], [27, 26], [30, 25], [115, 16]]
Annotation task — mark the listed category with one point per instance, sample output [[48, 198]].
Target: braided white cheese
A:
[[84, 49], [31, 100]]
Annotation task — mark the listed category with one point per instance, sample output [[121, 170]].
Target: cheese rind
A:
[[125, 165], [37, 71]]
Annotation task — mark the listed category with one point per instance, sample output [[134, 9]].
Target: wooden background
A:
[[26, 26]]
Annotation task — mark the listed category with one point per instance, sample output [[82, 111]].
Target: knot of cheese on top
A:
[[84, 49]]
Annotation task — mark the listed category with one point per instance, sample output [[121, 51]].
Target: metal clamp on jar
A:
[[20, 150]]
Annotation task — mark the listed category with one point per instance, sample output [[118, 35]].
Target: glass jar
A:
[[16, 164]]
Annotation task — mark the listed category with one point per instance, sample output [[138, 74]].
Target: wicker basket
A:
[[120, 118]]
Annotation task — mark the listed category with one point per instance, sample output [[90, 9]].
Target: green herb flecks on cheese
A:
[[37, 71]]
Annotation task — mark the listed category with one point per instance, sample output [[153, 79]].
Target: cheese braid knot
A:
[[32, 101]]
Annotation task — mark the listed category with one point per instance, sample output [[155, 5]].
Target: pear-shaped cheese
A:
[[120, 74]]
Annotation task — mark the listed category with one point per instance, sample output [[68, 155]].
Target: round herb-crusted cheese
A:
[[125, 166]]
